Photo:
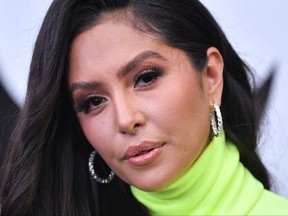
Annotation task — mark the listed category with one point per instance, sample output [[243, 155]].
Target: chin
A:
[[150, 185]]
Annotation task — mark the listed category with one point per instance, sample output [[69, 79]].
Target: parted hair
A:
[[45, 170]]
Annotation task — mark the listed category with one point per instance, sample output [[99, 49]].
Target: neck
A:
[[216, 183]]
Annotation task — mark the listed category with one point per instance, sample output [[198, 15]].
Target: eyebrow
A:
[[136, 61], [124, 71], [85, 85]]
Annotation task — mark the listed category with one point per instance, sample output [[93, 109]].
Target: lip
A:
[[144, 153]]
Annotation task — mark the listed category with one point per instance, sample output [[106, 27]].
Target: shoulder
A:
[[270, 204]]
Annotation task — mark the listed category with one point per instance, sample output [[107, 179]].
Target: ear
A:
[[213, 76]]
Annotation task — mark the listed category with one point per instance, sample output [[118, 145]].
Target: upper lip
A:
[[136, 150]]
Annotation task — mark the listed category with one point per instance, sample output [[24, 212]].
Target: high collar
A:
[[217, 183]]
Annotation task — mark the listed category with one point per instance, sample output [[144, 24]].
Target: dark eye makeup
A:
[[141, 80], [147, 77], [87, 103]]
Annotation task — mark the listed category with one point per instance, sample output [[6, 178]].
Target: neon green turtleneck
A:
[[217, 183]]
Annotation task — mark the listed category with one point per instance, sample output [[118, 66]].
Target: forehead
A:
[[109, 43], [117, 26]]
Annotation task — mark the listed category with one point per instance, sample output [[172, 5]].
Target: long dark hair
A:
[[45, 171]]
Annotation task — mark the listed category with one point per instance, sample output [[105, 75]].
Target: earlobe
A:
[[214, 75]]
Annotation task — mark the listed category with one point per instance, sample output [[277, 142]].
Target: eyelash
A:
[[150, 74], [86, 103]]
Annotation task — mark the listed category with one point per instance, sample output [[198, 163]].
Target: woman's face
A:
[[141, 104]]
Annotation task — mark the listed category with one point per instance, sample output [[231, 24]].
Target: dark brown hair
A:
[[45, 171]]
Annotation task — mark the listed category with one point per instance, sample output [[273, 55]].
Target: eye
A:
[[147, 77], [89, 103]]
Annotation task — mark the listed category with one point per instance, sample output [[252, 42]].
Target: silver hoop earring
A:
[[94, 175], [216, 120]]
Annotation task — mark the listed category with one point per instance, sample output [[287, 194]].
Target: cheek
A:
[[97, 133], [182, 104], [183, 111]]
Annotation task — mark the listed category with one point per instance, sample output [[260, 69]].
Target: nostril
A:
[[130, 122], [137, 125], [131, 130]]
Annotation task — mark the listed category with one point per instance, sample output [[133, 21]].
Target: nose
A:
[[129, 115]]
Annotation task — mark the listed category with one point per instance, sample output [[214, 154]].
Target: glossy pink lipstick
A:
[[143, 154]]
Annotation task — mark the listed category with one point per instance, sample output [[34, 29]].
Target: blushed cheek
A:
[[90, 132], [100, 137]]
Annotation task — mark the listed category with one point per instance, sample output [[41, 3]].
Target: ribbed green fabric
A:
[[216, 184]]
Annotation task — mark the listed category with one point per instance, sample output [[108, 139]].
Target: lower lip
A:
[[145, 159]]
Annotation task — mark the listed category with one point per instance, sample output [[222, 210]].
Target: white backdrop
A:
[[257, 29]]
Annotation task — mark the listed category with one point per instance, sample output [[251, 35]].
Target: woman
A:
[[141, 83]]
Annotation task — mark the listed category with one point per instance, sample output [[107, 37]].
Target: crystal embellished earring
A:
[[94, 175], [216, 120]]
